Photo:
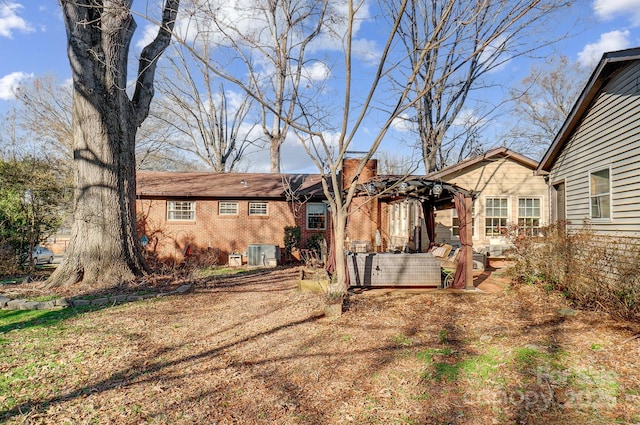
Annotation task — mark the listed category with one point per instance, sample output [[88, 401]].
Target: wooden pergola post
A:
[[468, 247]]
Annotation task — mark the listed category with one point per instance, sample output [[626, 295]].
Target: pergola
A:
[[432, 195]]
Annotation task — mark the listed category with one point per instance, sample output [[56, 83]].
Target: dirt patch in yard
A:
[[252, 349]]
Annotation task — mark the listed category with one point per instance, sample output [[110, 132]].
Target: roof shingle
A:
[[225, 185]]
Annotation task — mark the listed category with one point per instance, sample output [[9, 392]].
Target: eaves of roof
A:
[[492, 154]]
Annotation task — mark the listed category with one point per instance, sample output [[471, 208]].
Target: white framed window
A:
[[600, 194], [258, 208], [496, 213], [395, 219], [529, 216], [455, 221], [181, 210], [316, 216], [228, 208]]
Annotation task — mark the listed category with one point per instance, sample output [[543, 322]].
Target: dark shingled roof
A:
[[159, 184]]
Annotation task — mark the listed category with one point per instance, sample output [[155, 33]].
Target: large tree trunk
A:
[[104, 245], [339, 227], [274, 155]]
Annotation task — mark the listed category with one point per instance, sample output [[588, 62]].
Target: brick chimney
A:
[[365, 217]]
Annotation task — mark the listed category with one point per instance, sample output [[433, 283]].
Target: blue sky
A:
[[32, 43]]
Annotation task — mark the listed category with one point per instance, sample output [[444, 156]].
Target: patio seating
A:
[[310, 258], [448, 266], [442, 252]]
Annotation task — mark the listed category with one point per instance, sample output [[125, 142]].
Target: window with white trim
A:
[[316, 216], [600, 194], [496, 213], [529, 216], [181, 210], [258, 208], [228, 208], [455, 221]]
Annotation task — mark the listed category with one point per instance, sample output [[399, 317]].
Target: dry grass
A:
[[251, 349]]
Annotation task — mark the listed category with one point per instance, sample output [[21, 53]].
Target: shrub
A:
[[593, 271], [315, 242], [292, 236]]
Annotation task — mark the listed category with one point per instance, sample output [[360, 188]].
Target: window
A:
[[181, 210], [395, 220], [599, 194], [455, 221], [496, 215], [228, 208], [258, 208], [529, 216], [316, 216]]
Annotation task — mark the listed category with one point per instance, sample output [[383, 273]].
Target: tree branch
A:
[[149, 61]]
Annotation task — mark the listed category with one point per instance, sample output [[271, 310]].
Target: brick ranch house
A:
[[231, 215], [226, 212]]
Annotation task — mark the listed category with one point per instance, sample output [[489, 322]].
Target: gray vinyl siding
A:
[[607, 137]]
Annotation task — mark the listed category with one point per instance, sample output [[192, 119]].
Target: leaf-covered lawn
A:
[[251, 349]]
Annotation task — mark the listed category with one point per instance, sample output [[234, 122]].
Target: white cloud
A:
[[366, 50], [610, 9], [10, 20], [10, 82], [317, 71], [610, 41], [403, 123], [468, 118]]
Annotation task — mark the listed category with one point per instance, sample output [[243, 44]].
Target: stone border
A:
[[7, 303]]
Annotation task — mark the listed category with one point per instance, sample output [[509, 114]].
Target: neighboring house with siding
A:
[[226, 211], [592, 167], [507, 193]]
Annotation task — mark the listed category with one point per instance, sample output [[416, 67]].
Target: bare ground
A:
[[252, 349]]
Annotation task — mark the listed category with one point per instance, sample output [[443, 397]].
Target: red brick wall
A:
[[225, 233], [364, 211]]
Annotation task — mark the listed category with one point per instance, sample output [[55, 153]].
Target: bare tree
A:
[[195, 105], [45, 114], [104, 244], [542, 103], [395, 164], [465, 41], [263, 48], [329, 138]]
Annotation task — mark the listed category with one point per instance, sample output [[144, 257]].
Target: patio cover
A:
[[433, 195]]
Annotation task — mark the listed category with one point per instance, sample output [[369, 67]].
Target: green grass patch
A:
[[443, 365], [220, 271], [482, 367], [401, 340], [23, 319]]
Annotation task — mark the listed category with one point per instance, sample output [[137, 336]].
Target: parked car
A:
[[41, 255]]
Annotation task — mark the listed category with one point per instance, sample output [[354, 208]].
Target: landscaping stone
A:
[[100, 301], [118, 298], [182, 289], [47, 305], [15, 304], [7, 303], [61, 302], [135, 298], [30, 305]]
